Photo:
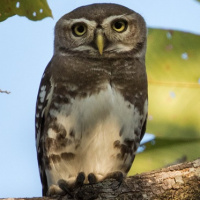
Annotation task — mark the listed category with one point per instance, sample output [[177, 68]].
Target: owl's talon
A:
[[65, 187], [80, 179], [92, 178], [55, 191], [117, 175]]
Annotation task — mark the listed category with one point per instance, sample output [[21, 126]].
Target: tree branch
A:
[[179, 182]]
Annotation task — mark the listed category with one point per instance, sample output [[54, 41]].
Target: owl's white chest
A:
[[106, 112], [96, 121]]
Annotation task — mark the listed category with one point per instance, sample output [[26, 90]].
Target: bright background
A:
[[25, 49]]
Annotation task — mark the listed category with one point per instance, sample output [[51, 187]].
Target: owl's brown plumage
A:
[[92, 103]]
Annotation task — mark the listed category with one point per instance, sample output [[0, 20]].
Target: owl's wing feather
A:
[[143, 128], [43, 101]]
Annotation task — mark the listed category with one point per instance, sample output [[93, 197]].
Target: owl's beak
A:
[[100, 42]]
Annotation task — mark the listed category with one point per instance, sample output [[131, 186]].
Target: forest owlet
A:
[[92, 102]]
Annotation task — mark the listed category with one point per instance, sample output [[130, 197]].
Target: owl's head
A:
[[101, 30]]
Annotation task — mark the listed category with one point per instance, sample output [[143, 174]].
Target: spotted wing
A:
[[43, 100], [143, 129]]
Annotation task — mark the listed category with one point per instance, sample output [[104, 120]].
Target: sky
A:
[[25, 49]]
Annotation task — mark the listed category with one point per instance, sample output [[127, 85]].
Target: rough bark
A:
[[178, 182]]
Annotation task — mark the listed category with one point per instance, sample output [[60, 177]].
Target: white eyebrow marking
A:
[[89, 23], [111, 18]]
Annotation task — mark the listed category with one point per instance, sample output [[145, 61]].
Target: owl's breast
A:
[[106, 106], [101, 133]]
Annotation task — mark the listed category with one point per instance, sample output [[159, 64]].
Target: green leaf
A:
[[32, 9]]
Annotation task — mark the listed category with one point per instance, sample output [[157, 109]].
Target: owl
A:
[[92, 102]]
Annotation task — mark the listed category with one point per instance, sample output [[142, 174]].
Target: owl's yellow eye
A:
[[79, 29], [119, 25]]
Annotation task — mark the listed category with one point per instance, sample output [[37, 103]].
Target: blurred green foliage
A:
[[32, 9], [173, 68]]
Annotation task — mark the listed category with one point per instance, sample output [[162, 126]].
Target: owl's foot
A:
[[117, 175], [92, 178], [80, 179], [55, 191], [67, 187]]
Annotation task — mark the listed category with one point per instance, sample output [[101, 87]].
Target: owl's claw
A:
[[68, 188], [55, 191], [92, 178], [80, 179], [117, 175], [65, 187]]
